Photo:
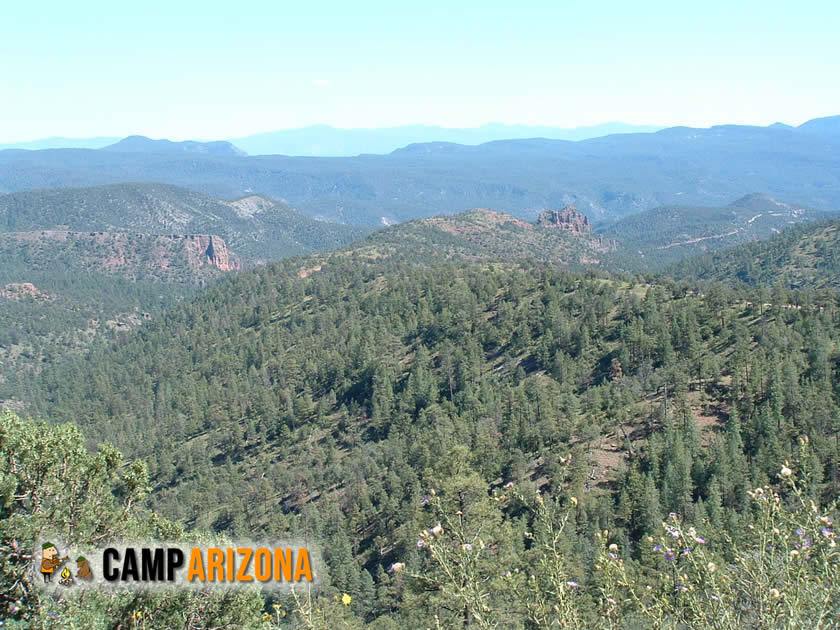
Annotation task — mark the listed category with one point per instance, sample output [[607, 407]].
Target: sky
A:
[[215, 70]]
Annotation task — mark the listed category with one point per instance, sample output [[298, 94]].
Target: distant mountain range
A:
[[323, 140], [606, 178], [60, 142], [328, 141]]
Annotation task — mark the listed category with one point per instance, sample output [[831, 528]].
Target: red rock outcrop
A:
[[130, 252], [210, 249], [569, 218]]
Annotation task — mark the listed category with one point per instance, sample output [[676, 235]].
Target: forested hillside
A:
[[255, 228], [46, 314], [293, 336], [803, 257], [664, 235], [562, 237], [82, 262], [365, 401]]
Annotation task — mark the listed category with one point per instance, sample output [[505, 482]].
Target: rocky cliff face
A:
[[569, 218], [209, 249], [125, 253]]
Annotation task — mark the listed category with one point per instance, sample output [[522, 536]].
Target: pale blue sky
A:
[[187, 69]]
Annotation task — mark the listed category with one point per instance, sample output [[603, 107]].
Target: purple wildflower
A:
[[421, 543], [826, 531], [425, 500], [669, 556], [658, 548]]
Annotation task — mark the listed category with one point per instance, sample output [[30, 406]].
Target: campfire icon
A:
[[66, 577], [52, 563]]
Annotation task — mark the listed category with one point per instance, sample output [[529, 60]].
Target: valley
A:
[[447, 403], [439, 316]]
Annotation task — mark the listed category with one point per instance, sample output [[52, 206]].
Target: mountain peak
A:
[[828, 126], [142, 144], [562, 237], [762, 202], [751, 198]]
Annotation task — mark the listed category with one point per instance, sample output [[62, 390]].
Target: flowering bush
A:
[[781, 571], [784, 572]]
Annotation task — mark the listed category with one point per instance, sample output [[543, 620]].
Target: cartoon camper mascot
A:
[[50, 560], [84, 569]]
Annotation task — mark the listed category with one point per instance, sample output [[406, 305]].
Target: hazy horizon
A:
[[325, 126], [114, 137], [205, 137], [257, 66]]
